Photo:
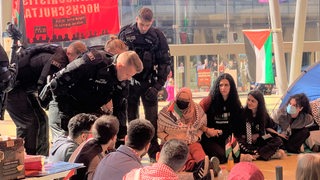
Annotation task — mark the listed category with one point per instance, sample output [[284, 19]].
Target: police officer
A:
[[6, 77], [34, 64], [152, 48], [73, 51], [89, 82], [113, 46]]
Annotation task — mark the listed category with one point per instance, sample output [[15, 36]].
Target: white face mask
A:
[[291, 109]]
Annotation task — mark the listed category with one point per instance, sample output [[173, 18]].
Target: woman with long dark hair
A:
[[294, 120], [223, 109], [258, 135]]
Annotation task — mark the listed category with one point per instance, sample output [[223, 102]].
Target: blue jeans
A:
[[55, 120]]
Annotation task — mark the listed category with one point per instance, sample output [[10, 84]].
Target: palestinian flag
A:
[[235, 146], [228, 147], [258, 45], [232, 146]]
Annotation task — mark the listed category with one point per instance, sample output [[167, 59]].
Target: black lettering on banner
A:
[[40, 30], [69, 22], [56, 11]]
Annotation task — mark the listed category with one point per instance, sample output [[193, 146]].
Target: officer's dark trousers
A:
[[31, 121], [150, 111]]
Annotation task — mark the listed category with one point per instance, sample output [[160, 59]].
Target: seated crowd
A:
[[195, 137], [191, 134], [82, 86]]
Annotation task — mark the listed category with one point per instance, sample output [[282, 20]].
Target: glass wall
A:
[[219, 21], [216, 21]]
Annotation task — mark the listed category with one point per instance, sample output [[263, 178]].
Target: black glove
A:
[[151, 94]]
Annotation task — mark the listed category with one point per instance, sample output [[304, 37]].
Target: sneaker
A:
[[214, 165], [279, 154], [201, 169]]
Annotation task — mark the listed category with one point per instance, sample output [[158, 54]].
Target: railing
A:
[[235, 48], [188, 50]]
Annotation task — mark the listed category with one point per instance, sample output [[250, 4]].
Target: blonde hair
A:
[[308, 167], [115, 45], [131, 58]]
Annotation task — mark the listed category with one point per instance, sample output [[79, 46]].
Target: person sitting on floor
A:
[[223, 109], [79, 128], [170, 160], [90, 153], [313, 140], [294, 120], [258, 136], [128, 156], [183, 119]]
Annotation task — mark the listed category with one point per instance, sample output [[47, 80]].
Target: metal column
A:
[[298, 39], [275, 17]]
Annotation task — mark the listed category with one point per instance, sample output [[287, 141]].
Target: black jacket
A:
[[85, 85], [152, 49], [36, 63]]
